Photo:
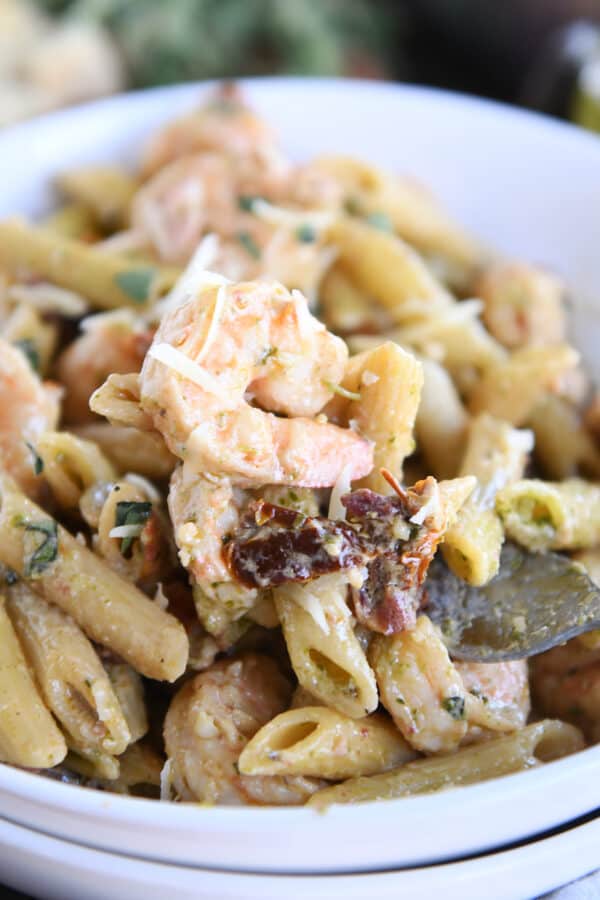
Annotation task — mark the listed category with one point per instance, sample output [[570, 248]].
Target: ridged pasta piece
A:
[[524, 749], [129, 691], [543, 515], [130, 450], [511, 389], [387, 381], [562, 445], [320, 742], [110, 610], [442, 421], [496, 454], [71, 465], [420, 687], [106, 191], [326, 655], [118, 400], [29, 735], [72, 680]]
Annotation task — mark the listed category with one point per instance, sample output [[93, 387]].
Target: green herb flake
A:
[[131, 512], [246, 202], [248, 243], [267, 354], [353, 206], [455, 707], [38, 462], [30, 351], [46, 551], [381, 221], [306, 233], [136, 283], [338, 389]]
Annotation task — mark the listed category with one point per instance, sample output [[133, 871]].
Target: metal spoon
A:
[[535, 602]]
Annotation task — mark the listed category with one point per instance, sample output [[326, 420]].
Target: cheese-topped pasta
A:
[[220, 374]]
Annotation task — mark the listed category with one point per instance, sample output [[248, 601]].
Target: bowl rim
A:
[[90, 801]]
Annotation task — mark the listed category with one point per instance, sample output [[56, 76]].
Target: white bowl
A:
[[527, 184], [52, 869]]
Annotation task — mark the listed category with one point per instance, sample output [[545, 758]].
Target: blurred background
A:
[[544, 54]]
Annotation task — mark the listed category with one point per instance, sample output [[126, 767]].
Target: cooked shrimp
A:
[[210, 721], [497, 694], [565, 683], [523, 306], [420, 687], [111, 342], [28, 407], [236, 342], [203, 513], [223, 124]]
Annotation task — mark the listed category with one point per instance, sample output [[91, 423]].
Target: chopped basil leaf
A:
[[131, 512], [46, 552], [38, 462], [381, 221], [455, 707], [306, 233], [246, 201], [248, 243], [267, 353], [28, 348], [136, 283]]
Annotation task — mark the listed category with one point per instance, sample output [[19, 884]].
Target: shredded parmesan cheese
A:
[[125, 531], [214, 322], [367, 378], [187, 368], [311, 604], [166, 780], [144, 485], [160, 598], [49, 298], [290, 218], [429, 508], [342, 486]]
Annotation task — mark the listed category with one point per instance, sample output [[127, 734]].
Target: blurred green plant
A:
[[164, 41]]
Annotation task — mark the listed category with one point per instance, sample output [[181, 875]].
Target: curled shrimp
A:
[[234, 343], [210, 721], [111, 343], [28, 407], [497, 696], [203, 513], [565, 683], [224, 123]]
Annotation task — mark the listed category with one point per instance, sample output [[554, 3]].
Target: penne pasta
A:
[[129, 691], [496, 454], [110, 611], [73, 683], [319, 742], [327, 657], [29, 735], [542, 515], [387, 382], [562, 445], [420, 687], [510, 390], [70, 465], [531, 746], [107, 281], [106, 191], [118, 400], [442, 422], [129, 450]]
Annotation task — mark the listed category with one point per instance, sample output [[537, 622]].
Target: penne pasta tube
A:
[[542, 515], [93, 765], [118, 400], [510, 390], [128, 449], [325, 653], [387, 382], [106, 191], [70, 465], [442, 421], [110, 611], [531, 746], [562, 445], [496, 454], [71, 678], [26, 329], [73, 220], [420, 687], [106, 280], [347, 309], [129, 690], [29, 735], [385, 267], [319, 742]]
